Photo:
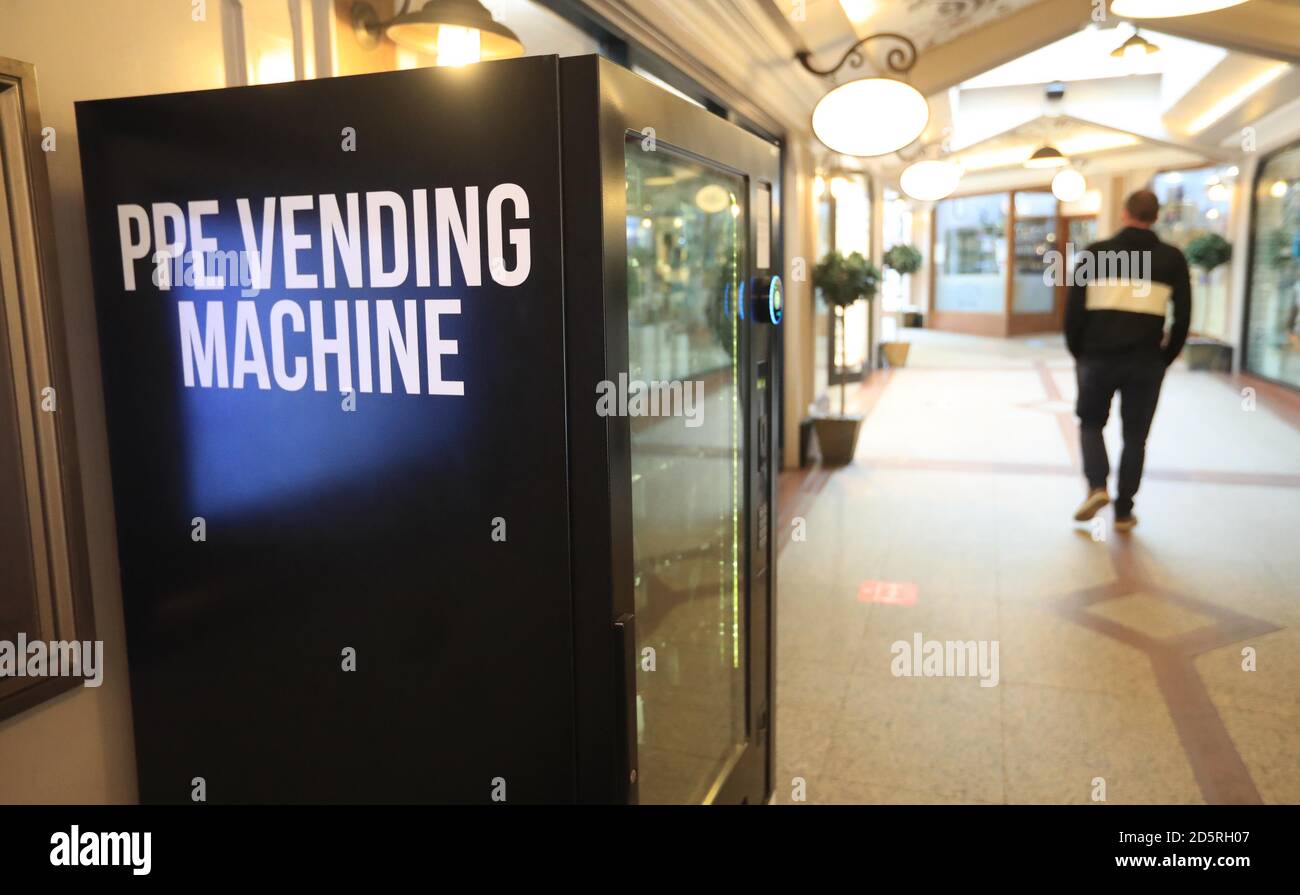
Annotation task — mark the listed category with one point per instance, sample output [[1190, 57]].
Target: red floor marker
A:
[[899, 593]]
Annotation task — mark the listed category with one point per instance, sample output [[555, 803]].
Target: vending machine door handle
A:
[[625, 783]]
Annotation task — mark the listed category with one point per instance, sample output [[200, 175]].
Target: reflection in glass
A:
[[970, 254], [1194, 202], [852, 201], [1083, 233], [1035, 237], [1273, 334], [686, 262]]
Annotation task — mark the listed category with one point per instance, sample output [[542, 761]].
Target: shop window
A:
[[895, 289], [1192, 203], [1273, 306], [970, 254], [1035, 229], [843, 224]]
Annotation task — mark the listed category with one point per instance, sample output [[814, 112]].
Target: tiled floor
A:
[[1120, 657]]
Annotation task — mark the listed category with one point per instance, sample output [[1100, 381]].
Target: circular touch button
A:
[[769, 300]]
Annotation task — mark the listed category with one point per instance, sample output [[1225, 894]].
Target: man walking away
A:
[[1115, 328]]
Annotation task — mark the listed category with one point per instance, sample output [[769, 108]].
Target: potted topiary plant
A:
[[843, 282], [1208, 251], [906, 259]]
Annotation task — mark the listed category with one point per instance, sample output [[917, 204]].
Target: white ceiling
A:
[[926, 22], [744, 49]]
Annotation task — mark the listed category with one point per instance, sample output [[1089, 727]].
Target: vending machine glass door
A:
[[686, 251]]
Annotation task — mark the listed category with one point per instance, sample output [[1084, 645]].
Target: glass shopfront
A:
[[1193, 203], [843, 225], [970, 254], [1272, 340], [896, 290], [1035, 229]]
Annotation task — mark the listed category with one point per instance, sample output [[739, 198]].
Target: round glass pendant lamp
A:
[[1166, 9], [1069, 185], [457, 32], [931, 180], [1047, 157], [870, 117]]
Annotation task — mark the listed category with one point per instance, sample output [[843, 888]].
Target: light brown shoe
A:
[[1096, 499], [1125, 523]]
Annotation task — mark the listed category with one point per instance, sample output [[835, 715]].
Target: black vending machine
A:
[[443, 434]]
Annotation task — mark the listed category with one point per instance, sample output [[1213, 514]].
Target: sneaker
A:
[[1125, 523], [1096, 499]]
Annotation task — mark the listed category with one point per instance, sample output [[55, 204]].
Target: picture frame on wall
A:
[[46, 617]]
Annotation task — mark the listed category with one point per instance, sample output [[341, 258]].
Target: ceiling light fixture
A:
[[1136, 47], [931, 180], [858, 11], [870, 117], [1047, 157], [1279, 189], [1166, 9], [454, 32], [1069, 185]]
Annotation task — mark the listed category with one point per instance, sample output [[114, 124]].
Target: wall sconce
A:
[[870, 116], [455, 32]]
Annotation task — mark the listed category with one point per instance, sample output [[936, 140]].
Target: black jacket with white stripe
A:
[[1120, 292]]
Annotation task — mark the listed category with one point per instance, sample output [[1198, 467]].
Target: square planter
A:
[[1208, 354], [837, 436], [896, 352]]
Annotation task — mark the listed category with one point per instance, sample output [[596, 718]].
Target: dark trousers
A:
[[1137, 377]]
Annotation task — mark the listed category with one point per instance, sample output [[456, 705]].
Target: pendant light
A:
[[1136, 47], [931, 180], [1166, 9], [1047, 157], [870, 116], [1069, 185], [454, 32]]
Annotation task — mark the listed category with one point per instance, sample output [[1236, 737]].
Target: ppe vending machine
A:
[[442, 432]]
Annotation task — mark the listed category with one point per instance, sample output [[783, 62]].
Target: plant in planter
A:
[[843, 282], [906, 259], [1208, 251]]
